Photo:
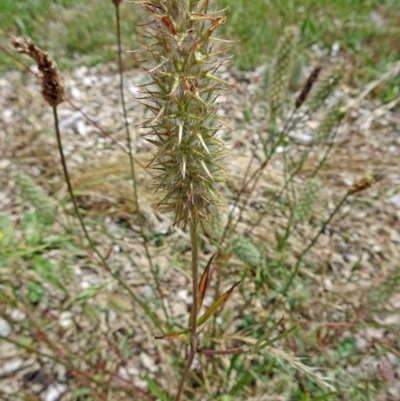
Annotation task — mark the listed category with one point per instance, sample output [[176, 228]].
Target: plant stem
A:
[[142, 304], [195, 289], [313, 242], [132, 164]]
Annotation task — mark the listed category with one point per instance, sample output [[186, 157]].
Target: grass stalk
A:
[[195, 290], [93, 247], [131, 161], [313, 242]]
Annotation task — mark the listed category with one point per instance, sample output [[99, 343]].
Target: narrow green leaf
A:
[[268, 332], [325, 396], [173, 335], [245, 378], [277, 338], [85, 295], [216, 305], [81, 393], [6, 299], [35, 291], [155, 389], [7, 236]]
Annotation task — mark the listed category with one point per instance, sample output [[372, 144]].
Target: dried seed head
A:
[[52, 86], [324, 89], [308, 86], [362, 184], [183, 97]]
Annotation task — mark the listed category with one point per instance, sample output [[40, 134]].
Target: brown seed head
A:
[[362, 184], [52, 86], [308, 86]]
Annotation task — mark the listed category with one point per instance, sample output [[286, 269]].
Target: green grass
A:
[[258, 24], [74, 32], [83, 32]]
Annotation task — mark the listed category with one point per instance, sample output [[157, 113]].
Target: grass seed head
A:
[[324, 89], [282, 69], [34, 194], [330, 121], [312, 78], [52, 86], [307, 200], [183, 97], [362, 184]]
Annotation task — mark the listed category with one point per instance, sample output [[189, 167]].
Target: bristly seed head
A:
[[183, 98]]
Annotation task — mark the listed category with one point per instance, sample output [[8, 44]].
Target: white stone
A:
[[13, 366], [148, 362], [17, 315], [5, 328], [395, 199], [81, 127], [65, 319], [54, 392]]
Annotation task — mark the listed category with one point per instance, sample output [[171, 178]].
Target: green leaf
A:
[[35, 291], [173, 335], [45, 268], [33, 228], [6, 299], [125, 346], [225, 397], [346, 347], [277, 338], [268, 332], [6, 231], [85, 295], [49, 271], [216, 305], [236, 364], [155, 389], [325, 396], [244, 379], [90, 312], [81, 394]]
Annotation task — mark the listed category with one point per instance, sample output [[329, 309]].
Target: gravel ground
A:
[[367, 230]]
